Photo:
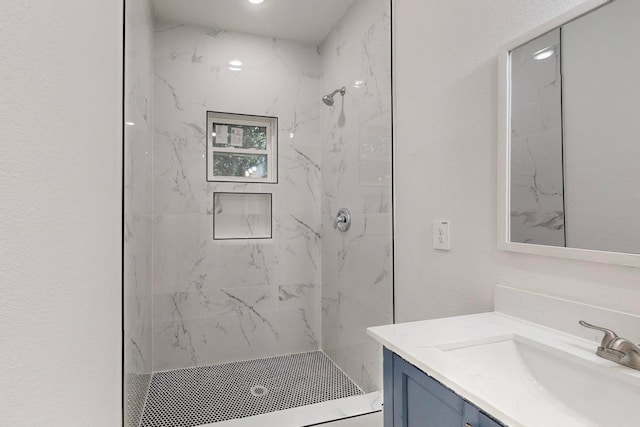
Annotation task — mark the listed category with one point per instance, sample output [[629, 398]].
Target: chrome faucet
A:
[[615, 348]]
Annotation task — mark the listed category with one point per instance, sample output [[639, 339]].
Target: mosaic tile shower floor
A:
[[196, 396]]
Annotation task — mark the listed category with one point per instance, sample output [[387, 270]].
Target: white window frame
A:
[[271, 152]]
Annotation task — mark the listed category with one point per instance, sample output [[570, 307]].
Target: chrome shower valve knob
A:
[[343, 220]]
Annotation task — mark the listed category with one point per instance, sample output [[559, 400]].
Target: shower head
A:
[[328, 99]]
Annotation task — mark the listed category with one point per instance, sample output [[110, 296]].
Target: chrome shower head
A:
[[328, 99]]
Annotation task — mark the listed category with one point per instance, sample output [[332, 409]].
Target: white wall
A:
[[60, 214], [445, 152]]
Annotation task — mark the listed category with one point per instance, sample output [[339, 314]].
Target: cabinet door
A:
[[474, 417], [414, 399], [420, 401]]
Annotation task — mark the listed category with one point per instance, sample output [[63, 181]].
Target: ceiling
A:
[[306, 21]]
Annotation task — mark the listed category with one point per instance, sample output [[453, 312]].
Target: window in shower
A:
[[242, 148]]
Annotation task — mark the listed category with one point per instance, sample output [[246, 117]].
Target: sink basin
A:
[[568, 390]]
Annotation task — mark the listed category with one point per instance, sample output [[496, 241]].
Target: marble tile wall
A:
[[219, 301], [537, 194], [138, 205], [356, 174]]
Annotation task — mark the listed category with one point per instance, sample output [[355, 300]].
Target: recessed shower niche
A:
[[241, 216], [195, 304]]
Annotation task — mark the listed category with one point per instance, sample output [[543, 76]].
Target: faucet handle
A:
[[609, 335]]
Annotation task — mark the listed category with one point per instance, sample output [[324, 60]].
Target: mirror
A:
[[572, 136]]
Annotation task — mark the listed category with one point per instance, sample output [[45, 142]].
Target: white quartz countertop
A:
[[509, 393]]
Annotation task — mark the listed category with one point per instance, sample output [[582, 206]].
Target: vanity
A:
[[527, 364]]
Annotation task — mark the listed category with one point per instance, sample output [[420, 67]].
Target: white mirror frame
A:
[[504, 155]]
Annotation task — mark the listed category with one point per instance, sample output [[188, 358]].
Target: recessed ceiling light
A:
[[235, 63], [256, 1], [235, 68]]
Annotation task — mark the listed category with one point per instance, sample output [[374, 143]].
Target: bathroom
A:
[[62, 220]]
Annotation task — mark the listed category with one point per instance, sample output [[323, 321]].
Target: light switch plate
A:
[[441, 235]]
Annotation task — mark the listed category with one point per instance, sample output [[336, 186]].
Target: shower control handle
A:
[[343, 220]]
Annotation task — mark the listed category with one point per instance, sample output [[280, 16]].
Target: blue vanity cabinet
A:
[[414, 399]]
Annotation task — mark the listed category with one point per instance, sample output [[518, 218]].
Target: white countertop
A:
[[426, 345]]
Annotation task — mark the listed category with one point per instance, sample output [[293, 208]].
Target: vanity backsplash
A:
[[563, 314]]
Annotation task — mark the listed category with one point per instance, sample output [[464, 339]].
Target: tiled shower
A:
[[192, 301]]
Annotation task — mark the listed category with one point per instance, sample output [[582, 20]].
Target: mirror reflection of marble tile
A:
[[537, 199]]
